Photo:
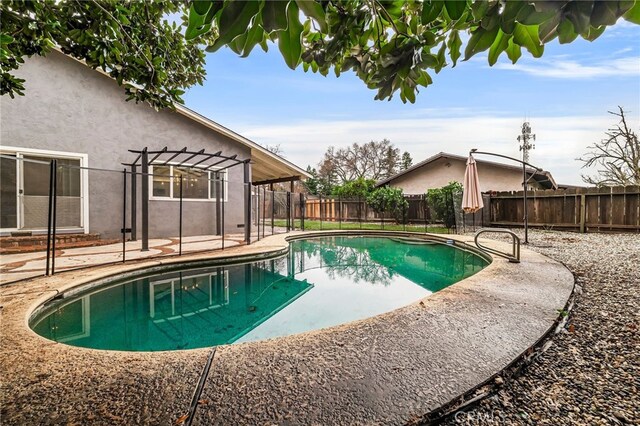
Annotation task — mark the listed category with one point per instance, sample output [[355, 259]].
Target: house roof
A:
[[544, 177], [265, 165]]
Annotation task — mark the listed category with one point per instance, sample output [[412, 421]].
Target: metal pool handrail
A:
[[514, 257]]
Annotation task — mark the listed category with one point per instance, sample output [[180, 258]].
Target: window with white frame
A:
[[197, 184]]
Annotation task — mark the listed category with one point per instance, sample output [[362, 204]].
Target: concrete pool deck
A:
[[389, 369]]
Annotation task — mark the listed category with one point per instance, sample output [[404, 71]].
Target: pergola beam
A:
[[277, 180]]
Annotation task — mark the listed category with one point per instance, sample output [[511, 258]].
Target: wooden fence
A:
[[581, 209]]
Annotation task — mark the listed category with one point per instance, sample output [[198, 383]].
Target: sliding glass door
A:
[[8, 192], [25, 192]]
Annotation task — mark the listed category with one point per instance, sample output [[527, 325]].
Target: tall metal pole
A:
[[180, 225], [258, 211], [217, 184], [525, 138], [247, 202], [145, 200], [124, 215], [49, 218], [55, 213], [303, 210], [134, 203], [526, 215]]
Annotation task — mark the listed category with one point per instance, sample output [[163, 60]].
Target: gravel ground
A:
[[591, 372]]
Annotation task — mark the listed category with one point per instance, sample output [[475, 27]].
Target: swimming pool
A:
[[321, 282]]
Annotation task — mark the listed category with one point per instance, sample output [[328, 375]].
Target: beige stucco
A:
[[443, 170]]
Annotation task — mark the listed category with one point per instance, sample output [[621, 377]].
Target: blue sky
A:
[[565, 95]]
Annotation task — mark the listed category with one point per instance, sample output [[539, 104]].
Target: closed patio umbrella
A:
[[471, 196]]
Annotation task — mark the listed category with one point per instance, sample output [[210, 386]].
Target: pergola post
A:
[[247, 202], [218, 190], [134, 202], [145, 199]]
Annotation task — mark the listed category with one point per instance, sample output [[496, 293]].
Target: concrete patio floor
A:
[[389, 369], [19, 266]]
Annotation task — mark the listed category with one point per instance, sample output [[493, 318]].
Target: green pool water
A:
[[321, 282]]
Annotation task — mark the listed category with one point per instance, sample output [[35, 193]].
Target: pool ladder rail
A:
[[513, 257]]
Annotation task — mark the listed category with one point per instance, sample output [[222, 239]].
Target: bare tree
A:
[[372, 160], [617, 156], [275, 149]]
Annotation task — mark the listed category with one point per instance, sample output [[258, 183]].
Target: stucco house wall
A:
[[441, 171], [69, 107]]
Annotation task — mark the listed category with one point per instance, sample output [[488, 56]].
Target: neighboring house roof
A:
[[544, 177], [265, 165]]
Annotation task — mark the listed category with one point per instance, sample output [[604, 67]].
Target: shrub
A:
[[389, 200], [441, 202]]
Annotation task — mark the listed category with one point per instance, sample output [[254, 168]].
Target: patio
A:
[[392, 368]]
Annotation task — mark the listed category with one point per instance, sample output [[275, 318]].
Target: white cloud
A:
[[561, 68], [560, 140]]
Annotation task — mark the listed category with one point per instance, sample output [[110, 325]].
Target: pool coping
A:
[[227, 365]]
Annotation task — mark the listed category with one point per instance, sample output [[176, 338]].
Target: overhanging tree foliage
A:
[[617, 157], [392, 46]]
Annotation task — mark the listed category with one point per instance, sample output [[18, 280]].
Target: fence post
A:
[[134, 203], [180, 219], [124, 215], [54, 215], [258, 211], [320, 210], [273, 206], [50, 212], [217, 184], [340, 212], [288, 211], [247, 201], [583, 205], [303, 210], [145, 200]]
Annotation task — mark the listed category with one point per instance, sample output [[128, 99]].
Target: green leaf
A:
[[314, 10], [274, 16], [499, 45], [566, 34], [633, 14], [479, 9], [234, 20], [547, 31], [289, 41], [604, 13], [197, 25], [480, 41], [455, 8], [431, 10], [527, 37], [201, 7], [254, 37], [594, 33], [454, 44], [579, 13], [442, 60], [513, 51]]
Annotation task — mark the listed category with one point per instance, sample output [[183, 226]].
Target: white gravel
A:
[[591, 373]]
